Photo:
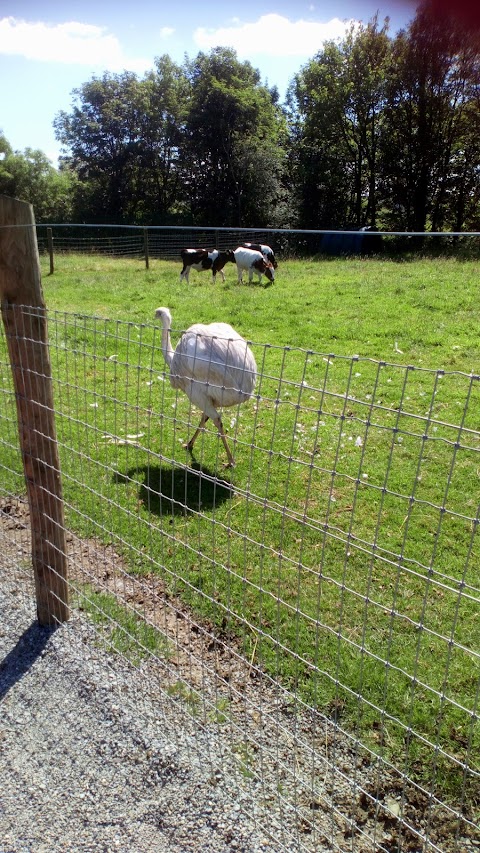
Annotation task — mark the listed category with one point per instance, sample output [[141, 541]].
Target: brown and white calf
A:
[[205, 259], [266, 251], [252, 262]]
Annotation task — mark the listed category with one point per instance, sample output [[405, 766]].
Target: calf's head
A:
[[266, 268]]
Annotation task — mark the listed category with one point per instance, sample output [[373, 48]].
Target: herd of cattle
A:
[[249, 257]]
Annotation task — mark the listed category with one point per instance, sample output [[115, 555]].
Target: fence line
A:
[[166, 241], [317, 607]]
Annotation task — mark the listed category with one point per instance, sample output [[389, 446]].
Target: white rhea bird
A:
[[213, 365]]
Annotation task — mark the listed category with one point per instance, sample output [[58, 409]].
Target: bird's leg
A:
[[203, 421], [221, 432]]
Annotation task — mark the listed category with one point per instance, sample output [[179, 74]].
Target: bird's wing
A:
[[223, 364]]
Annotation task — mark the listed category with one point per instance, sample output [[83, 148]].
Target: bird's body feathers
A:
[[213, 365]]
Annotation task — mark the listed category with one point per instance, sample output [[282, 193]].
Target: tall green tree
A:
[[103, 134], [31, 177], [235, 137], [160, 162], [381, 132], [336, 104], [463, 211], [203, 143], [429, 153], [367, 54], [320, 161], [125, 138]]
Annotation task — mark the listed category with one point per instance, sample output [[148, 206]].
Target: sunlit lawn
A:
[[346, 536]]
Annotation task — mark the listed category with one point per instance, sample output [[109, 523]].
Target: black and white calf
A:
[[205, 259], [253, 262], [266, 251]]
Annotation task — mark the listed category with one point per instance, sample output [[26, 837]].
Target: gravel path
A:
[[99, 755], [83, 770]]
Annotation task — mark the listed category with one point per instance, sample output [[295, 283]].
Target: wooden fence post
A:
[[24, 318], [145, 248], [50, 249]]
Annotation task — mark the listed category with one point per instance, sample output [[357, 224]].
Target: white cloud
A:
[[166, 32], [71, 42], [272, 35]]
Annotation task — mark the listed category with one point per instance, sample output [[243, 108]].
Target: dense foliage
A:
[[375, 131], [31, 176]]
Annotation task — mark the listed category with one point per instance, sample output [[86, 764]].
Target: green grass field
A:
[[342, 551]]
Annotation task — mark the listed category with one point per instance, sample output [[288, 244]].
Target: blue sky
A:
[[50, 47]]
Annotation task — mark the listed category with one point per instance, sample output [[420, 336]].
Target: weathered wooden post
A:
[[24, 318], [145, 248], [50, 249]]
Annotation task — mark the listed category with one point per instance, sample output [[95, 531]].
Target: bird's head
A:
[[163, 314]]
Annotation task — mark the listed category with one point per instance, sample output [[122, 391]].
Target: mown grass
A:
[[342, 551]]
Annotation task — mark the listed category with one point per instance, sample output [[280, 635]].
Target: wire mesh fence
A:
[[166, 242], [315, 607], [156, 242]]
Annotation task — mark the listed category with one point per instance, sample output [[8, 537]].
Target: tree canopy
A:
[[31, 176], [376, 130]]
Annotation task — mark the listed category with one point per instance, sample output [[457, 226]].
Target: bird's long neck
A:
[[167, 348]]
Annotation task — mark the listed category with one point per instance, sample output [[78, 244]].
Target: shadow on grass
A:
[[171, 490]]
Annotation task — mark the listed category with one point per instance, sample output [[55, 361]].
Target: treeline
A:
[[375, 131]]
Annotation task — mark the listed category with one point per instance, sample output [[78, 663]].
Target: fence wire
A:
[[315, 607], [162, 241], [166, 241]]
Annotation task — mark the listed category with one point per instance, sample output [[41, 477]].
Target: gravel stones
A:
[[85, 766]]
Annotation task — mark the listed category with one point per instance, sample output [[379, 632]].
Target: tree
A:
[[103, 134], [428, 149], [203, 142], [160, 165], [320, 159], [367, 50], [31, 177], [124, 139], [336, 106], [464, 185], [381, 132], [235, 135]]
